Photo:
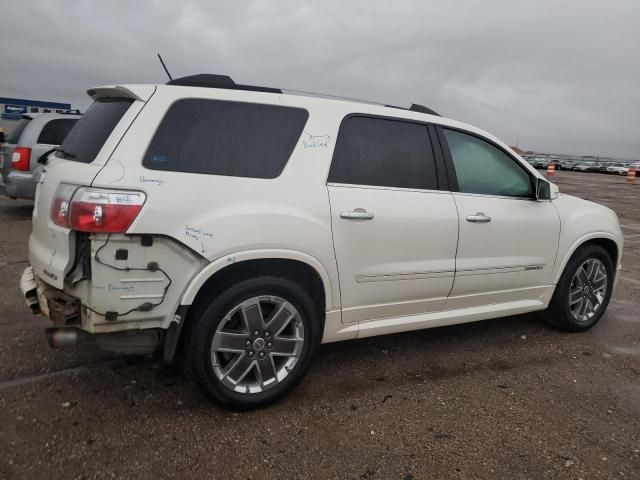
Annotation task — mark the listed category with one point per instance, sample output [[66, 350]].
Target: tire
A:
[[242, 370], [568, 301]]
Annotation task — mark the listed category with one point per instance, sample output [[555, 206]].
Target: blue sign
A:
[[15, 109]]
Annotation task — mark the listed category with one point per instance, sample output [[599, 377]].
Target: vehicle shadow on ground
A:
[[16, 210], [391, 362]]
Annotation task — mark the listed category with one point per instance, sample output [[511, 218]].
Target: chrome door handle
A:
[[479, 218], [357, 214]]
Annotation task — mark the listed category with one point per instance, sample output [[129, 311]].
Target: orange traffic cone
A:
[[551, 169], [631, 176]]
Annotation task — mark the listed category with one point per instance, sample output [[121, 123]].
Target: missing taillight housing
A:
[[95, 210], [21, 159]]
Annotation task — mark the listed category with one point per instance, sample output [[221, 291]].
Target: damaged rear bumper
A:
[[64, 311], [60, 308], [29, 288]]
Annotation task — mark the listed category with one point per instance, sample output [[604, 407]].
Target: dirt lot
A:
[[509, 398]]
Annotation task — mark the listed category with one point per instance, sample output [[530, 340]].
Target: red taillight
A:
[[21, 158], [60, 204], [95, 210]]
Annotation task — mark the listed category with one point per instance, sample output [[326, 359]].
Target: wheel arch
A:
[[606, 240], [219, 274], [261, 261]]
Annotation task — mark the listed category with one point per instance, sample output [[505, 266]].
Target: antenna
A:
[[165, 67]]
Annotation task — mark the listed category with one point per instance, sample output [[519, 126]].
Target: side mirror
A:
[[546, 190]]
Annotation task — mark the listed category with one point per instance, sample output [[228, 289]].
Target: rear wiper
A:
[[44, 157], [65, 154]]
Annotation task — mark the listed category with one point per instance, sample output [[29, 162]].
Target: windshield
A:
[[89, 134]]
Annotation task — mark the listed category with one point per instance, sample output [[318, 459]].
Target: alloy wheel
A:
[[257, 344], [588, 289]]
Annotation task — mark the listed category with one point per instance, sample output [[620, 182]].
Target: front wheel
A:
[[254, 342], [583, 292]]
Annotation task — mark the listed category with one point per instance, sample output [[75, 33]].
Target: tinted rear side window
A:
[[225, 138], [387, 153], [88, 135], [14, 137], [54, 131]]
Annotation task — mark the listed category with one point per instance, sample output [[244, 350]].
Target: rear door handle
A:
[[357, 214], [479, 218]]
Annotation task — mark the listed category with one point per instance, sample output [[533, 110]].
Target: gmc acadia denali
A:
[[234, 228]]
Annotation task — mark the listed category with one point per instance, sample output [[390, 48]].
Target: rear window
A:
[[14, 136], [225, 138], [88, 135], [54, 131]]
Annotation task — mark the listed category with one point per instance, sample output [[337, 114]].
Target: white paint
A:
[[420, 264]]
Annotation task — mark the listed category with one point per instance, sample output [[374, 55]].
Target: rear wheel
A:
[[584, 290], [254, 342]]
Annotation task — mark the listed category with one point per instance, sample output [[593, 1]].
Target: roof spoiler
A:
[[135, 92]]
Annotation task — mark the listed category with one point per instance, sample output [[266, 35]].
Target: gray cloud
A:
[[556, 76]]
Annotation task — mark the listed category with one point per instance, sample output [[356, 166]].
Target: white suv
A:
[[235, 228]]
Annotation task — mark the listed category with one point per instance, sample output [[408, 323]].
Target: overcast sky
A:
[[559, 76]]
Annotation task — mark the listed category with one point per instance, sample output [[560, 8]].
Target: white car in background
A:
[[582, 167], [618, 168], [235, 228]]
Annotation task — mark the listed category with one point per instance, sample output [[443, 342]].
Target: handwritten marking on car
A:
[[198, 235], [120, 288], [196, 232], [155, 181], [123, 199], [315, 141]]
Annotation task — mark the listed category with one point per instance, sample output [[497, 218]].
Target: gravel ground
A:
[[508, 398]]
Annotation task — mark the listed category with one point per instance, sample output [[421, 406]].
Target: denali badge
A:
[[533, 267], [49, 274]]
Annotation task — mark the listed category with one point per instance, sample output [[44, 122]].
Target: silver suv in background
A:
[[35, 136]]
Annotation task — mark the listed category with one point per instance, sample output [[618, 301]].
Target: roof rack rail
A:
[[306, 93], [207, 80], [414, 107]]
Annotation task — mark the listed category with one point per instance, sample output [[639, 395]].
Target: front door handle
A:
[[479, 218], [357, 214]]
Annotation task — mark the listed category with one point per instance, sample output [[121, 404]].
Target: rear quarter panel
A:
[[227, 219]]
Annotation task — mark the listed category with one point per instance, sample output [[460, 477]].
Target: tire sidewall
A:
[[202, 336], [590, 251]]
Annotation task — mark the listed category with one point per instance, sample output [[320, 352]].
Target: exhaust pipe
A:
[[61, 337]]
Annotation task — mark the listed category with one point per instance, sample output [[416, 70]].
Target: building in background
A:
[[12, 109]]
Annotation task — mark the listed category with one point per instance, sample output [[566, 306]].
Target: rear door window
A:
[[89, 134], [383, 152], [53, 132], [225, 138]]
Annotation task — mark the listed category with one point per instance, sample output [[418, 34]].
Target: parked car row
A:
[[618, 168], [34, 137]]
